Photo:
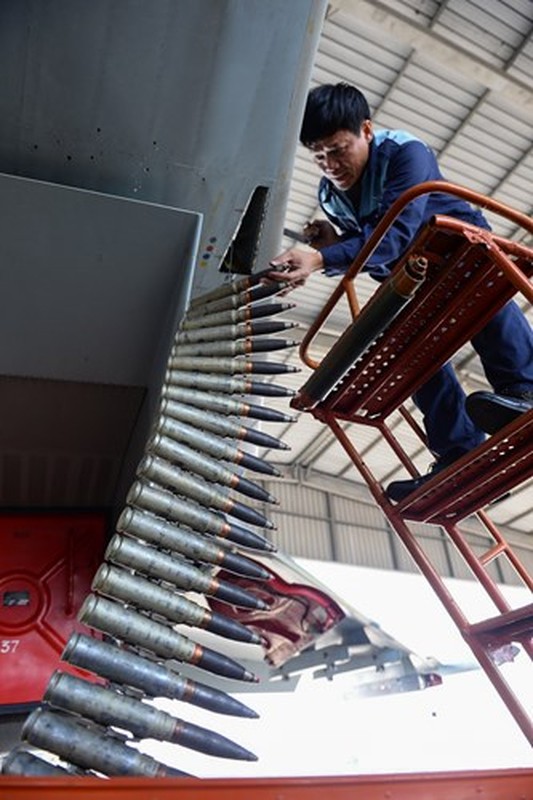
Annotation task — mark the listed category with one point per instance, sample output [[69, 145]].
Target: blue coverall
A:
[[398, 161]]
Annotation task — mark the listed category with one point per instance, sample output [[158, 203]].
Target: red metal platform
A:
[[515, 784]]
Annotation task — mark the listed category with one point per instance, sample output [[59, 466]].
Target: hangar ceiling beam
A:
[[390, 23]]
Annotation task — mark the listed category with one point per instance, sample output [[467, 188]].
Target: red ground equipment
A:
[[452, 280], [48, 562]]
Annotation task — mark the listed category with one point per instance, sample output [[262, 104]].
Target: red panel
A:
[[46, 568], [509, 784]]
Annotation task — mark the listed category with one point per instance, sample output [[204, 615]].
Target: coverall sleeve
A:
[[413, 163]]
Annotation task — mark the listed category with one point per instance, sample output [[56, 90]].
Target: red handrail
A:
[[345, 285]]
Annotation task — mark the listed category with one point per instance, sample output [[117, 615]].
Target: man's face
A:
[[342, 157]]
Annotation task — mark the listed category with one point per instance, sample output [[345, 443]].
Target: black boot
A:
[[491, 412], [398, 490]]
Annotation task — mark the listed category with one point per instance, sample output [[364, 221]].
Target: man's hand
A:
[[296, 266], [320, 233]]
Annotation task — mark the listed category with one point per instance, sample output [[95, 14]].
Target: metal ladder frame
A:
[[334, 394]]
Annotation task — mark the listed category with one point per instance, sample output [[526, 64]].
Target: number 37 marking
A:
[[8, 646]]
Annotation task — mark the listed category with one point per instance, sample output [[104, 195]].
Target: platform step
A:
[[515, 625], [476, 480]]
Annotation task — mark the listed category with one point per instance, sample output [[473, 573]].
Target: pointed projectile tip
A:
[[255, 638], [289, 325]]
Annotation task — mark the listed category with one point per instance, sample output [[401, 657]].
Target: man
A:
[[364, 171]]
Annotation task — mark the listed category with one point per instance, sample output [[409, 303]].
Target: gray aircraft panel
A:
[[176, 104], [190, 103], [89, 282]]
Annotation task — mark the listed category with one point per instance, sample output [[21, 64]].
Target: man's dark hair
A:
[[331, 108]]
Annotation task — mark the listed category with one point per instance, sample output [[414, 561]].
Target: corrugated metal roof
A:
[[460, 75]]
